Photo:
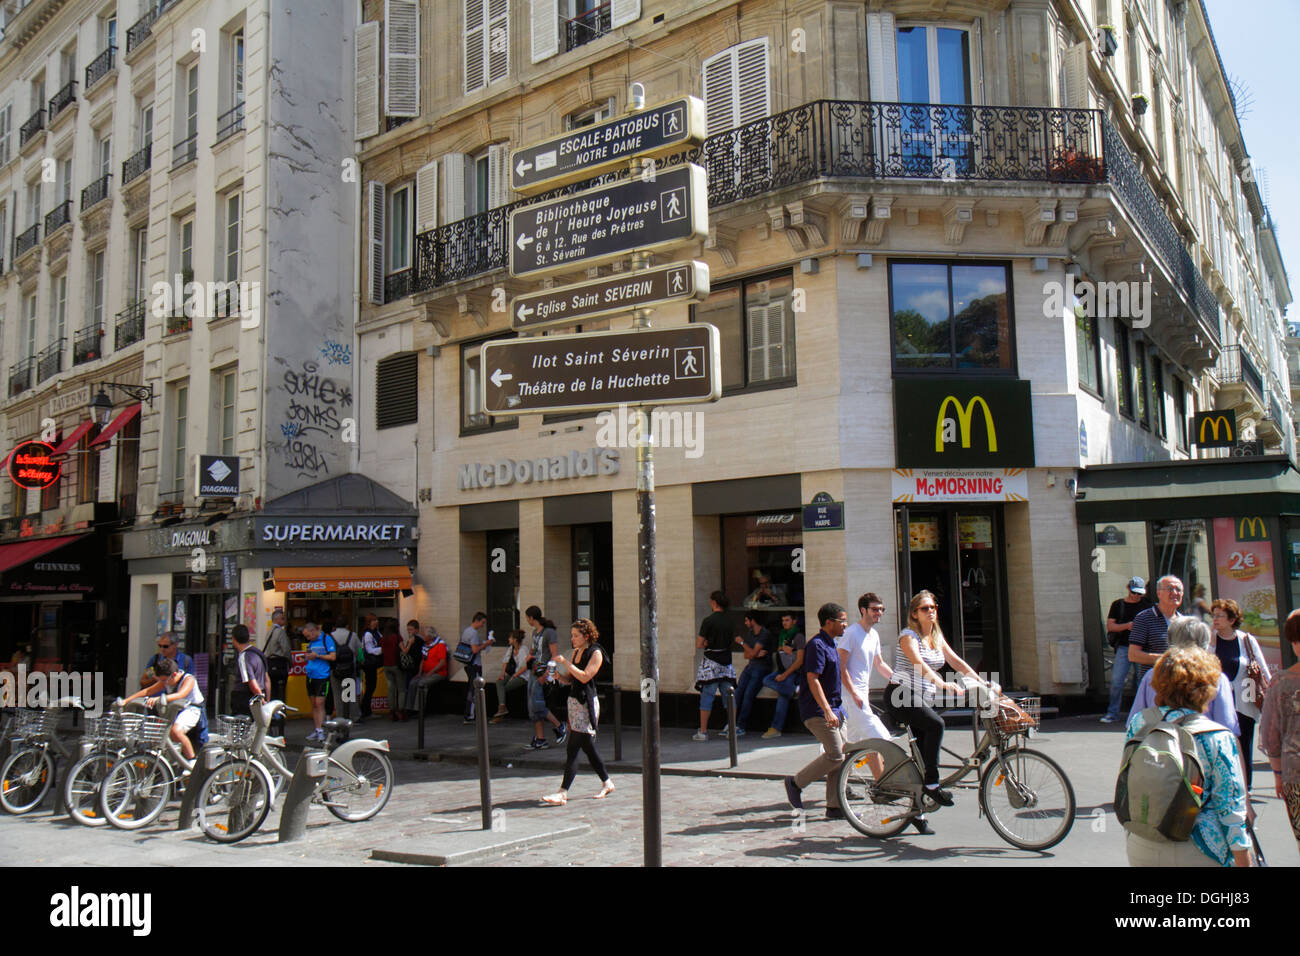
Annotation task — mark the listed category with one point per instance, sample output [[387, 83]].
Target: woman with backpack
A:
[[1186, 679], [1242, 662], [579, 676]]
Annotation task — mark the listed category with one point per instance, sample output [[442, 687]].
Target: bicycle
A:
[[237, 795], [1026, 796], [28, 772], [104, 742]]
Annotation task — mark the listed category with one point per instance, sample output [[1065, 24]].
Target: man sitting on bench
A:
[[433, 668]]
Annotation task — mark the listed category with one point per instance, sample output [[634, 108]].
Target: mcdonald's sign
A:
[[1252, 529], [1215, 429], [944, 422]]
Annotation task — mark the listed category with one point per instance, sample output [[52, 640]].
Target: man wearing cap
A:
[[1119, 621]]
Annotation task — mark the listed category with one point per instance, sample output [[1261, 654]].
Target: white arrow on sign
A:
[[524, 312], [498, 377], [523, 241], [523, 167]]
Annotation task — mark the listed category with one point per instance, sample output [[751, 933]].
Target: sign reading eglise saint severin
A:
[[572, 304], [602, 369], [600, 225]]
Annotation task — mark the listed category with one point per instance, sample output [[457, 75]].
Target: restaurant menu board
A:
[[975, 532], [923, 534], [1244, 573]]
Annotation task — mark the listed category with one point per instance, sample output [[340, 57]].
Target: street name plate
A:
[[589, 151], [569, 373], [603, 224], [571, 304]]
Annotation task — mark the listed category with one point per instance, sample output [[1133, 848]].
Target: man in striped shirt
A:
[[1149, 637]]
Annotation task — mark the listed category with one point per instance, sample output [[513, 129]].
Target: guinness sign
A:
[[943, 422]]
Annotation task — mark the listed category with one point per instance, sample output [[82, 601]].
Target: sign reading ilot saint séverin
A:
[[602, 369], [571, 304], [963, 423], [603, 224]]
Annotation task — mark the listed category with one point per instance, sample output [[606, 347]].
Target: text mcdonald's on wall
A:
[[1215, 429], [942, 422]]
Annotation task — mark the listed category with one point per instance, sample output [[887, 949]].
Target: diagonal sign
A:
[[571, 304]]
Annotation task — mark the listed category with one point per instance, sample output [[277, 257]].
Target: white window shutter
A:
[[545, 27], [475, 44], [882, 57], [401, 58], [753, 92], [453, 187], [1075, 94], [720, 92], [498, 40], [499, 175], [377, 199], [426, 197], [623, 12], [756, 316], [366, 102]]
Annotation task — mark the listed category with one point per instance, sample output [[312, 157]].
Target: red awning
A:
[[116, 425], [12, 555], [71, 440]]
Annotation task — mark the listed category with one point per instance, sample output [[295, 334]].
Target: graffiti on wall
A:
[[317, 406]]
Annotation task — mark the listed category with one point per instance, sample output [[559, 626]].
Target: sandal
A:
[[555, 799], [605, 791]]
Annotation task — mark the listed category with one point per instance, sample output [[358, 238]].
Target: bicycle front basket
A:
[[1016, 717], [152, 731]]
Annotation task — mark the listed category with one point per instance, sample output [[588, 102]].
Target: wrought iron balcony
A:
[[1235, 367], [100, 66], [65, 97], [398, 285], [86, 345], [20, 376], [96, 192], [58, 217], [587, 26], [230, 122], [179, 321], [185, 151], [139, 31], [49, 361], [27, 239], [35, 123], [137, 163], [129, 325]]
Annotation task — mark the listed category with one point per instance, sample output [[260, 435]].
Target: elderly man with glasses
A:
[[168, 647], [1149, 636]]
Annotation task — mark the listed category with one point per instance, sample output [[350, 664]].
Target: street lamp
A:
[[101, 406]]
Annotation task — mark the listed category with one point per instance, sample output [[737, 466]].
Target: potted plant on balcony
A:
[[1106, 37], [1071, 167], [1140, 103]]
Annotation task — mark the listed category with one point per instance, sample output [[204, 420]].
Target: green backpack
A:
[[1160, 788]]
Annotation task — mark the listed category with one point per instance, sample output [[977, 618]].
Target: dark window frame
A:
[[1158, 420], [496, 423], [1142, 386], [1124, 371], [1094, 338], [1012, 372], [741, 282], [1180, 410]]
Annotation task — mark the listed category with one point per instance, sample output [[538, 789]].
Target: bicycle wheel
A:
[[136, 791], [358, 794], [26, 776], [878, 809], [81, 788], [234, 801], [1028, 799]]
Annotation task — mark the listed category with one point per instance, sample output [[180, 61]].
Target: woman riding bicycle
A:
[[921, 652], [175, 685]]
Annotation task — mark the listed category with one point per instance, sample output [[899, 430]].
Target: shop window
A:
[[1141, 385], [1243, 563], [756, 328], [1088, 351], [472, 416], [88, 469], [1123, 370], [1120, 552], [397, 391], [1182, 548], [760, 555], [950, 317]]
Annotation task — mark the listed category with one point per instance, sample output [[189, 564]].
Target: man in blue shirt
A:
[[1148, 638], [1189, 632], [819, 707], [169, 647]]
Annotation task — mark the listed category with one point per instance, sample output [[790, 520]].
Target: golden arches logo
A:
[[1258, 530], [1214, 423], [964, 416]]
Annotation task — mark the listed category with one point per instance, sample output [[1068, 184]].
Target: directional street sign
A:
[[569, 373], [586, 152], [600, 225], [571, 304]]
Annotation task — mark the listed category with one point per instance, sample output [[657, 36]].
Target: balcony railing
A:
[[65, 97], [179, 321], [398, 285], [829, 139], [129, 325], [139, 31], [49, 361], [35, 123], [230, 122], [58, 217], [20, 376], [100, 66], [27, 239], [1236, 367], [185, 151], [137, 163], [587, 26], [86, 345], [95, 192]]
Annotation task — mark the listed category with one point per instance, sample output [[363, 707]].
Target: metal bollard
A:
[[730, 691], [484, 771], [311, 766], [209, 758], [618, 722]]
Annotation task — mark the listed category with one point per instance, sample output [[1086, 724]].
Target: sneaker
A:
[[834, 813], [561, 733], [939, 796], [1108, 719], [315, 736], [539, 743], [922, 827], [771, 733], [700, 737], [792, 794], [468, 720]]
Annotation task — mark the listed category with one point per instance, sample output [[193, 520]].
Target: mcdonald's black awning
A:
[[1137, 491]]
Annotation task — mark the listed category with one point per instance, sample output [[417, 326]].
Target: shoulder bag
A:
[[1256, 684]]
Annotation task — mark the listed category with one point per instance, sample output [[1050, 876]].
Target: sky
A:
[[1256, 40]]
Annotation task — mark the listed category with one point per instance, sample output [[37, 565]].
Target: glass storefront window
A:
[[1182, 548], [1120, 553], [759, 562], [1243, 565]]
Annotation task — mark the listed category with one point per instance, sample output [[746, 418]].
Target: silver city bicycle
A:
[[28, 772], [105, 741]]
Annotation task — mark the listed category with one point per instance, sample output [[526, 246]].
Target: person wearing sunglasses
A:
[[168, 647], [920, 655]]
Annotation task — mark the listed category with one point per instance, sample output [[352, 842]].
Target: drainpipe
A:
[[355, 464]]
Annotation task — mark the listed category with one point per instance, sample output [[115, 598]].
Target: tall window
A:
[[139, 263], [52, 495], [180, 417], [97, 289], [58, 308], [29, 309], [1123, 370], [87, 469], [951, 317], [755, 323], [104, 155], [6, 127], [399, 228], [108, 31], [185, 248], [1180, 413], [1088, 350], [63, 188], [472, 416], [237, 68], [227, 389], [230, 245], [146, 125], [1141, 385], [1158, 397], [191, 113], [487, 42], [33, 203]]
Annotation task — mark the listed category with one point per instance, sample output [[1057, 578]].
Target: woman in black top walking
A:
[[584, 709]]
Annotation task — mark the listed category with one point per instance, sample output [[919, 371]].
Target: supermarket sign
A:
[[960, 484]]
